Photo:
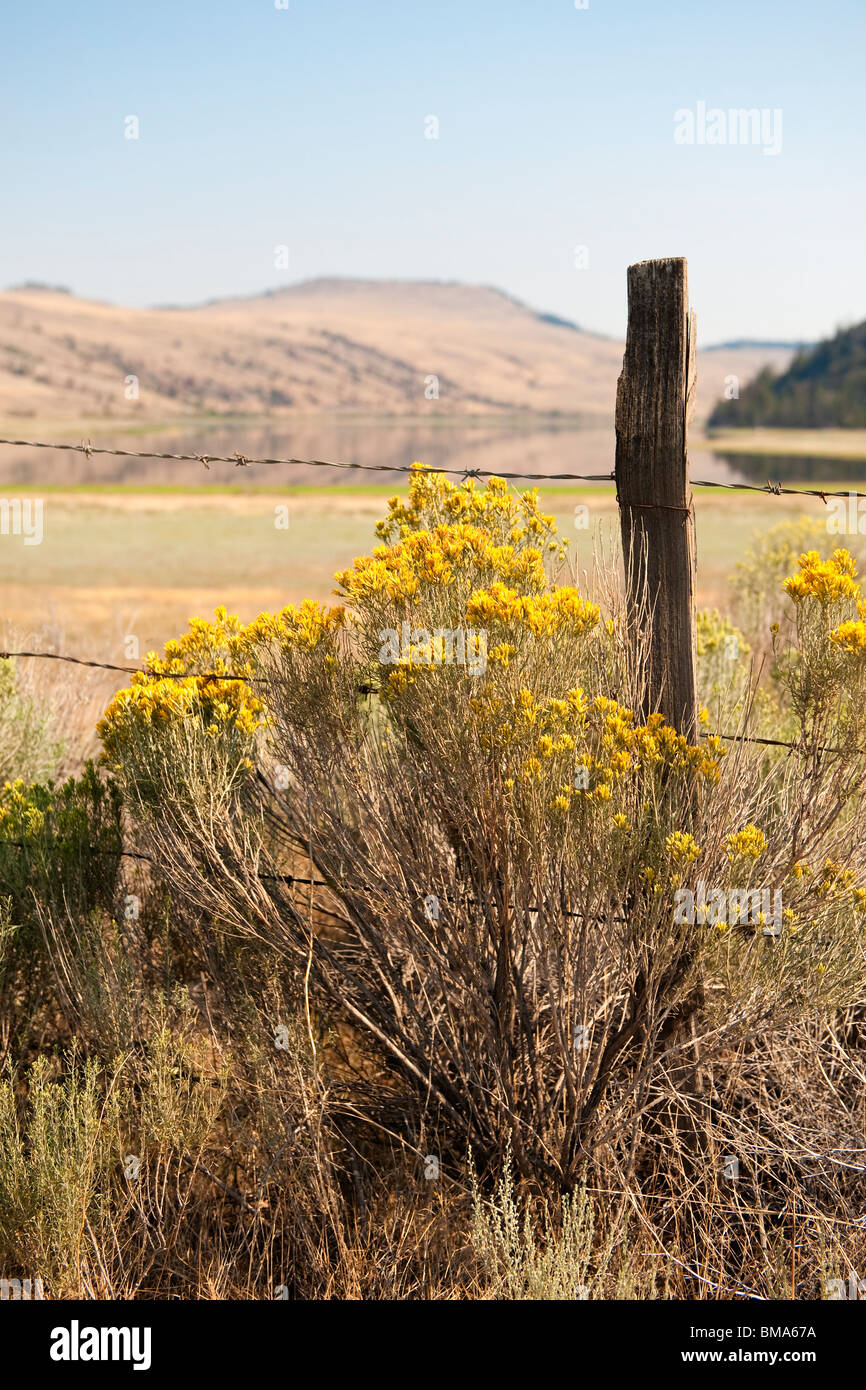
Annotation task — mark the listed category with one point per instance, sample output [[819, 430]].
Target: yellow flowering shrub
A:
[[827, 581], [519, 716], [499, 846], [825, 674], [192, 681], [151, 704], [506, 517], [520, 690], [748, 843]]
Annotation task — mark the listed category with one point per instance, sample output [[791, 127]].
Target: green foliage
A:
[[530, 1256], [67, 1186], [60, 846], [824, 386], [29, 745], [56, 1152]]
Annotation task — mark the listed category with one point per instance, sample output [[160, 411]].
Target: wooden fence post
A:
[[655, 397]]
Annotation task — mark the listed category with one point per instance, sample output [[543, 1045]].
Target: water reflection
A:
[[547, 446], [794, 468]]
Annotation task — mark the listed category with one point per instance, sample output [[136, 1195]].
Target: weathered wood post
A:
[[655, 397]]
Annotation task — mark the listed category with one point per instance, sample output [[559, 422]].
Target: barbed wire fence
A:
[[658, 286], [243, 461], [240, 460]]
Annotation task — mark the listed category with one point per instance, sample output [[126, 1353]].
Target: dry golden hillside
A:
[[322, 346]]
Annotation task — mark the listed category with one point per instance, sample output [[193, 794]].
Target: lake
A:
[[521, 447]]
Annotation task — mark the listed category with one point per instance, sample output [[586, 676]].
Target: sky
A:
[[562, 151]]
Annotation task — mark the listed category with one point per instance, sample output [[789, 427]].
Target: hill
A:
[[824, 386], [321, 346]]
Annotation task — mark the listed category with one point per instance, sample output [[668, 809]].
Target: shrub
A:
[[502, 841], [30, 742], [60, 846]]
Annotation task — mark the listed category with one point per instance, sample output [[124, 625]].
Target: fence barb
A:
[[768, 489]]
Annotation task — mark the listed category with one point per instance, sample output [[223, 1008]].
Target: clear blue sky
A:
[[306, 127]]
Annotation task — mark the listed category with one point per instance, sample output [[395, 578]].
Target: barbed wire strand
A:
[[291, 879], [149, 859], [243, 461], [362, 690], [139, 670]]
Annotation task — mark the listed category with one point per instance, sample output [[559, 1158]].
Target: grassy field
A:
[[113, 564]]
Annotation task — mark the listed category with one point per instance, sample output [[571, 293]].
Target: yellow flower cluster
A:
[[748, 843], [306, 626], [834, 879], [502, 654], [434, 558], [175, 692], [148, 703], [503, 514], [545, 738], [217, 647], [562, 610], [180, 684], [19, 812], [228, 647], [682, 847], [828, 581], [850, 637], [655, 742], [552, 722]]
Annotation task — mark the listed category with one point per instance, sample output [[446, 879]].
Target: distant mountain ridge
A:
[[371, 347], [823, 387], [788, 344]]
